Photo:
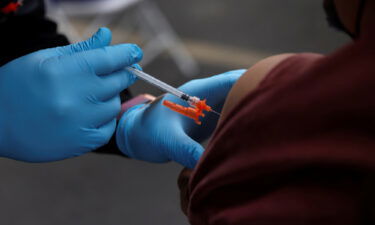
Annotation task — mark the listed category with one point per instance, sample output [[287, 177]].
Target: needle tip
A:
[[215, 112]]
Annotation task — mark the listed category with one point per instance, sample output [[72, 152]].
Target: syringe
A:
[[192, 100]]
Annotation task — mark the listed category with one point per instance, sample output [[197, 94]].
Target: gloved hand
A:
[[154, 133], [63, 102]]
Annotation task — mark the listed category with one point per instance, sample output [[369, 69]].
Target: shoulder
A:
[[258, 72]]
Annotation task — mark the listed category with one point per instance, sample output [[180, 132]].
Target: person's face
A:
[[333, 17], [345, 15]]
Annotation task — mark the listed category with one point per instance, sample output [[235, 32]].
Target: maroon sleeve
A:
[[300, 149]]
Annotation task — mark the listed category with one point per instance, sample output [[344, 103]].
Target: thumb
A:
[[100, 39], [187, 152], [216, 86]]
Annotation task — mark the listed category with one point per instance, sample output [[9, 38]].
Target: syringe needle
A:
[[215, 112], [197, 105]]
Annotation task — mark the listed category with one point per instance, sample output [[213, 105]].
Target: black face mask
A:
[[334, 19]]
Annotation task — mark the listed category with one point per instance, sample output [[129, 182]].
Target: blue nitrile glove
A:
[[63, 102], [154, 133]]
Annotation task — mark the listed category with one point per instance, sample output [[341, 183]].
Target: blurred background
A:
[[183, 40]]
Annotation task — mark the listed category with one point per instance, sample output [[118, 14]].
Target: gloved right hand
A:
[[154, 133], [62, 102]]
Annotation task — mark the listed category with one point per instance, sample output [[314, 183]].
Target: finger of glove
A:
[[113, 84], [105, 111], [100, 39], [214, 88], [109, 59], [138, 140], [103, 134], [186, 151]]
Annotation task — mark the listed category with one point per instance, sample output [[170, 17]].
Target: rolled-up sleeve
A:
[[294, 151]]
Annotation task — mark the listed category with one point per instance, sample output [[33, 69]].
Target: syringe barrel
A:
[[155, 82]]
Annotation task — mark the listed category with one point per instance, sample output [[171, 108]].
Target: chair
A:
[[154, 29]]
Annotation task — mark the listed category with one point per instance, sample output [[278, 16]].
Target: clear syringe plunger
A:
[[163, 86]]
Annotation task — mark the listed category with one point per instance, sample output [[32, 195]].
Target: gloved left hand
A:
[[62, 102], [154, 133]]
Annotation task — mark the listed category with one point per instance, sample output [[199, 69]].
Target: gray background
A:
[[110, 190]]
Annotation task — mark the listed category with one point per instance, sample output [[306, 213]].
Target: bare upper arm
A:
[[250, 80]]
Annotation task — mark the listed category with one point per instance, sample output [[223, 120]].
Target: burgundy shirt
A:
[[300, 148]]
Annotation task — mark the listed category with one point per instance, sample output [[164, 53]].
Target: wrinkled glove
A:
[[154, 133], [63, 102]]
